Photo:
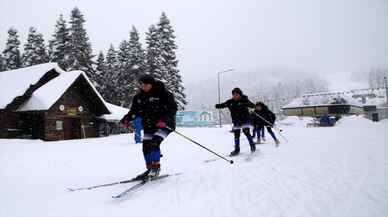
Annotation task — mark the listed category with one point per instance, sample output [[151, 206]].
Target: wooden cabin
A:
[[45, 102]]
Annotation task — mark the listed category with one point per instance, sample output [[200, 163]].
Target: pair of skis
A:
[[133, 188], [248, 156]]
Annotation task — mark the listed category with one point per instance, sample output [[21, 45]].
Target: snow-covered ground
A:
[[338, 171]]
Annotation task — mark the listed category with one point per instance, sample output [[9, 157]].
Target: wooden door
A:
[[72, 128]]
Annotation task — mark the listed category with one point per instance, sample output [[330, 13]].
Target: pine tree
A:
[[59, 46], [136, 52], [34, 50], [125, 75], [123, 55], [11, 52], [100, 72], [170, 69], [136, 66], [153, 55], [81, 50], [111, 77]]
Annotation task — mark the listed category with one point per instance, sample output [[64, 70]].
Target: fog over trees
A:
[[273, 86]]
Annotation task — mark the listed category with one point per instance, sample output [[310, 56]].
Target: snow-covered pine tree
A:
[[35, 51], [169, 61], [81, 50], [135, 66], [111, 76], [12, 59], [123, 73], [136, 52], [59, 46], [100, 72], [123, 54], [153, 58], [126, 75]]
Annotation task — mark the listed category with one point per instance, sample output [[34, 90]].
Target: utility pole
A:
[[219, 92], [386, 89]]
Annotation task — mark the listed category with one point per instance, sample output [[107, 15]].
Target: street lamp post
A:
[[386, 89], [219, 92]]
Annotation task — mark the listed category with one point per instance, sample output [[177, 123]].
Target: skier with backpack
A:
[[263, 117], [157, 108], [238, 106]]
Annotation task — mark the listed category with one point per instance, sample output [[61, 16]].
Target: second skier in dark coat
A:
[[261, 117], [238, 106]]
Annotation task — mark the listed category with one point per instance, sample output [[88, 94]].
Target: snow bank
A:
[[295, 121], [355, 120]]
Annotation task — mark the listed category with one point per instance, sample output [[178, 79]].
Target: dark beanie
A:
[[147, 79], [237, 90], [260, 104]]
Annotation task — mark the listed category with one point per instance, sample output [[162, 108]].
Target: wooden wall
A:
[[81, 123]]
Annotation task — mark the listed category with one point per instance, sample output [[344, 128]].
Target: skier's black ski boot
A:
[[236, 151], [143, 176], [253, 148], [154, 171]]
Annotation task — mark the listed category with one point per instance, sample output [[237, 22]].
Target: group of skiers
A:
[[243, 120], [157, 108]]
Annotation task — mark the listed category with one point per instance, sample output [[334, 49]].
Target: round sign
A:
[[80, 108], [61, 107]]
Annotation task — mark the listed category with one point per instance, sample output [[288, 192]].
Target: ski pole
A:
[[230, 161], [272, 125]]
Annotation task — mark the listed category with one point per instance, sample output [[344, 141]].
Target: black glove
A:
[[218, 106]]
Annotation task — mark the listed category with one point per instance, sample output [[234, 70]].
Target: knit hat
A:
[[237, 90], [147, 79]]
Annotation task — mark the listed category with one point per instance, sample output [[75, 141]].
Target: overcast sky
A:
[[323, 36]]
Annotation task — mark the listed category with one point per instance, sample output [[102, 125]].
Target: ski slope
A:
[[321, 172]]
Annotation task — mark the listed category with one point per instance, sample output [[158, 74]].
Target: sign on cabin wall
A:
[[72, 111]]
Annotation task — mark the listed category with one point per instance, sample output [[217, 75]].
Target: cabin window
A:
[[59, 125]]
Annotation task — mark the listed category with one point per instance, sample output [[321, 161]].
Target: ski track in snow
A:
[[321, 172]]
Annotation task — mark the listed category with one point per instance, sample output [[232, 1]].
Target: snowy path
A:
[[320, 172]]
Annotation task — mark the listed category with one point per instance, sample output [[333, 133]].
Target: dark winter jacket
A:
[[264, 113], [238, 109], [157, 104]]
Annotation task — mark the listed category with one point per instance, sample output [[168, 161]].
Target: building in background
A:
[[369, 102], [45, 102]]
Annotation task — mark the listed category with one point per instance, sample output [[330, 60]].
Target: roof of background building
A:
[[359, 97]]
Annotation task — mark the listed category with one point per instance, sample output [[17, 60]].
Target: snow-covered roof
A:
[[116, 112], [360, 97], [47, 95], [14, 83], [44, 97]]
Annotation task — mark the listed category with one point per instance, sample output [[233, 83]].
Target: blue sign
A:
[[195, 119]]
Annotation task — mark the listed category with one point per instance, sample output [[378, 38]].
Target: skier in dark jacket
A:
[[258, 128], [238, 107], [157, 108], [262, 116]]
